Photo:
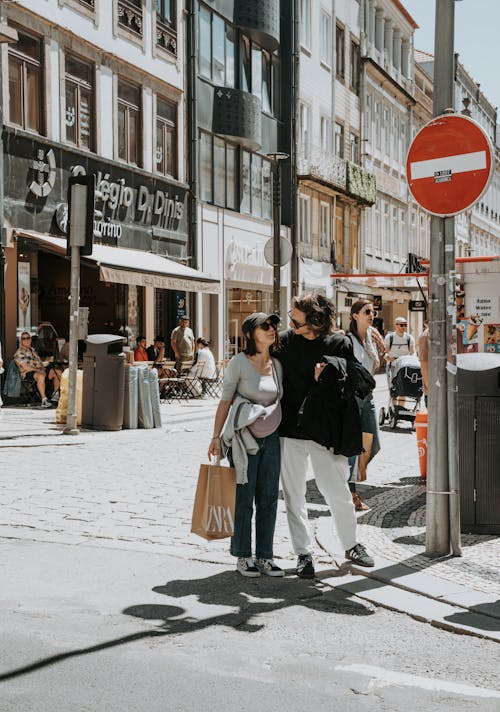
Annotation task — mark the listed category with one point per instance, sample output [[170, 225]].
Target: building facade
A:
[[334, 190], [97, 87], [241, 107]]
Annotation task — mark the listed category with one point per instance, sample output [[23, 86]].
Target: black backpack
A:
[[391, 339]]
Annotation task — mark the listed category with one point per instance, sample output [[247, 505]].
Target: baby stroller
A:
[[405, 392]]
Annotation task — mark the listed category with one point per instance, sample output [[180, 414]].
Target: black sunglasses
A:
[[295, 323], [370, 311], [268, 325], [25, 338]]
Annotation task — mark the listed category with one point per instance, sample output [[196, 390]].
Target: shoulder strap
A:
[[408, 341], [391, 339]]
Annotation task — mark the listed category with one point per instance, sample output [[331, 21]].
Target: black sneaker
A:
[[269, 567], [359, 555], [246, 567], [305, 566]]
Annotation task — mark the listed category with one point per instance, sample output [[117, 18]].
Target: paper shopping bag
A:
[[213, 511]]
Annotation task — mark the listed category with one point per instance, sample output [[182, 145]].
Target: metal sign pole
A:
[[442, 304], [71, 420]]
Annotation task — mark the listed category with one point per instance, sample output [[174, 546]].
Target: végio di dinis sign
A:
[[139, 209]]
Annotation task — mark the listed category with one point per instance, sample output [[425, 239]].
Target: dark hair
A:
[[159, 338], [203, 342], [319, 311], [139, 338], [251, 346], [355, 309]]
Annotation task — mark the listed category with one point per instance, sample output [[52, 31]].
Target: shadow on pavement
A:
[[488, 618], [222, 589]]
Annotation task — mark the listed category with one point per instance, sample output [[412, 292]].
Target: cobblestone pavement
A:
[[134, 489]]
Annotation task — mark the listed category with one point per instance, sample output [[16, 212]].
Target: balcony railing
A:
[[361, 184], [315, 163], [130, 16], [166, 37]]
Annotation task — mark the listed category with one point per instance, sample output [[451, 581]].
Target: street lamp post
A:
[[276, 173]]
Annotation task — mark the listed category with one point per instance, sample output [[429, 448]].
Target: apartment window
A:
[[325, 136], [218, 171], [339, 232], [166, 137], [340, 51], [304, 125], [353, 148], [326, 39], [355, 67], [129, 123], [261, 75], [305, 23], [79, 93], [256, 193], [216, 58], [324, 224], [25, 82], [339, 140], [165, 11], [166, 25], [304, 219]]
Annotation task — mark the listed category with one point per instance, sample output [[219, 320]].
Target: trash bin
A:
[[103, 382], [478, 410], [421, 428]]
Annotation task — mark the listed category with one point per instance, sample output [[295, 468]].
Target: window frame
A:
[[228, 147], [305, 27], [354, 157], [340, 52], [339, 137], [305, 218], [80, 85], [228, 28], [167, 124], [325, 237], [355, 66], [325, 34], [25, 60], [128, 108]]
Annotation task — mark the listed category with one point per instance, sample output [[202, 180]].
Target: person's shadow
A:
[[248, 599]]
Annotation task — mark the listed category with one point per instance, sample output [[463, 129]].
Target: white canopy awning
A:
[[125, 266]]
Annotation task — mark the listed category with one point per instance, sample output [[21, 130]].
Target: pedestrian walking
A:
[[423, 355], [367, 344], [397, 343], [246, 427], [182, 343], [301, 350]]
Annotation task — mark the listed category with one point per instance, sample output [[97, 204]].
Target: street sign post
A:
[[449, 164]]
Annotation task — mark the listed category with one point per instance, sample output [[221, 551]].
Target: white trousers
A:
[[331, 473]]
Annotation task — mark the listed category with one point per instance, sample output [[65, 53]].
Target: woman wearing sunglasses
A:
[[246, 425], [367, 344]]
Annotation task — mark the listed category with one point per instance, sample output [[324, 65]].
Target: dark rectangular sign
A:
[[417, 305]]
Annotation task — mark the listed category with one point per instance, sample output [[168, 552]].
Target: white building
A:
[[97, 86]]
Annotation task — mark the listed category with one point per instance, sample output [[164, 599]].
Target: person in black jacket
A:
[[301, 352]]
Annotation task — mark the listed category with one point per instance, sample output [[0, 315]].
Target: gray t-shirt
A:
[[241, 376]]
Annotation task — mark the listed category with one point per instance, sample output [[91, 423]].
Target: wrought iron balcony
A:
[[130, 15], [313, 162]]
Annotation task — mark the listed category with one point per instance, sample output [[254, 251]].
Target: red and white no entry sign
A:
[[449, 164]]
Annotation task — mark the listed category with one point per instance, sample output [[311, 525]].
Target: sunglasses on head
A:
[[268, 325]]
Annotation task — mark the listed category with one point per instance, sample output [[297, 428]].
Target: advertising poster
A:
[[492, 338], [23, 296]]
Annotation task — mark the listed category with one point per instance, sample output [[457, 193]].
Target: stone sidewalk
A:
[[134, 489]]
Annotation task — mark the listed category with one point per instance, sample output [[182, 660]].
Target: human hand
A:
[[318, 370], [214, 449]]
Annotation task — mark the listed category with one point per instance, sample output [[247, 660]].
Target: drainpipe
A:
[[294, 265], [192, 142]]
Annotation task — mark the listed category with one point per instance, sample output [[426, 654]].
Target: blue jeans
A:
[[263, 488]]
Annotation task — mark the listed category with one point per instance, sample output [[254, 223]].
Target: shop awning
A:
[[142, 269]]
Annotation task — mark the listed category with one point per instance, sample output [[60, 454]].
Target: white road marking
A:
[[461, 163], [383, 678]]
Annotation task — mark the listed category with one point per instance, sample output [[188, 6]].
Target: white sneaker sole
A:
[[249, 574]]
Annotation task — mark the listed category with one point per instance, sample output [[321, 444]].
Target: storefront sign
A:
[[140, 210], [485, 307], [417, 305]]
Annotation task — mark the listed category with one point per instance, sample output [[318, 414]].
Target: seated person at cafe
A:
[[140, 352], [156, 352], [204, 366], [30, 366]]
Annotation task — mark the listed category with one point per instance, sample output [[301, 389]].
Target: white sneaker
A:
[[246, 567], [268, 567], [46, 403]]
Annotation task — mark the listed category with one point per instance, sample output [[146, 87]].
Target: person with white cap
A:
[[398, 343]]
